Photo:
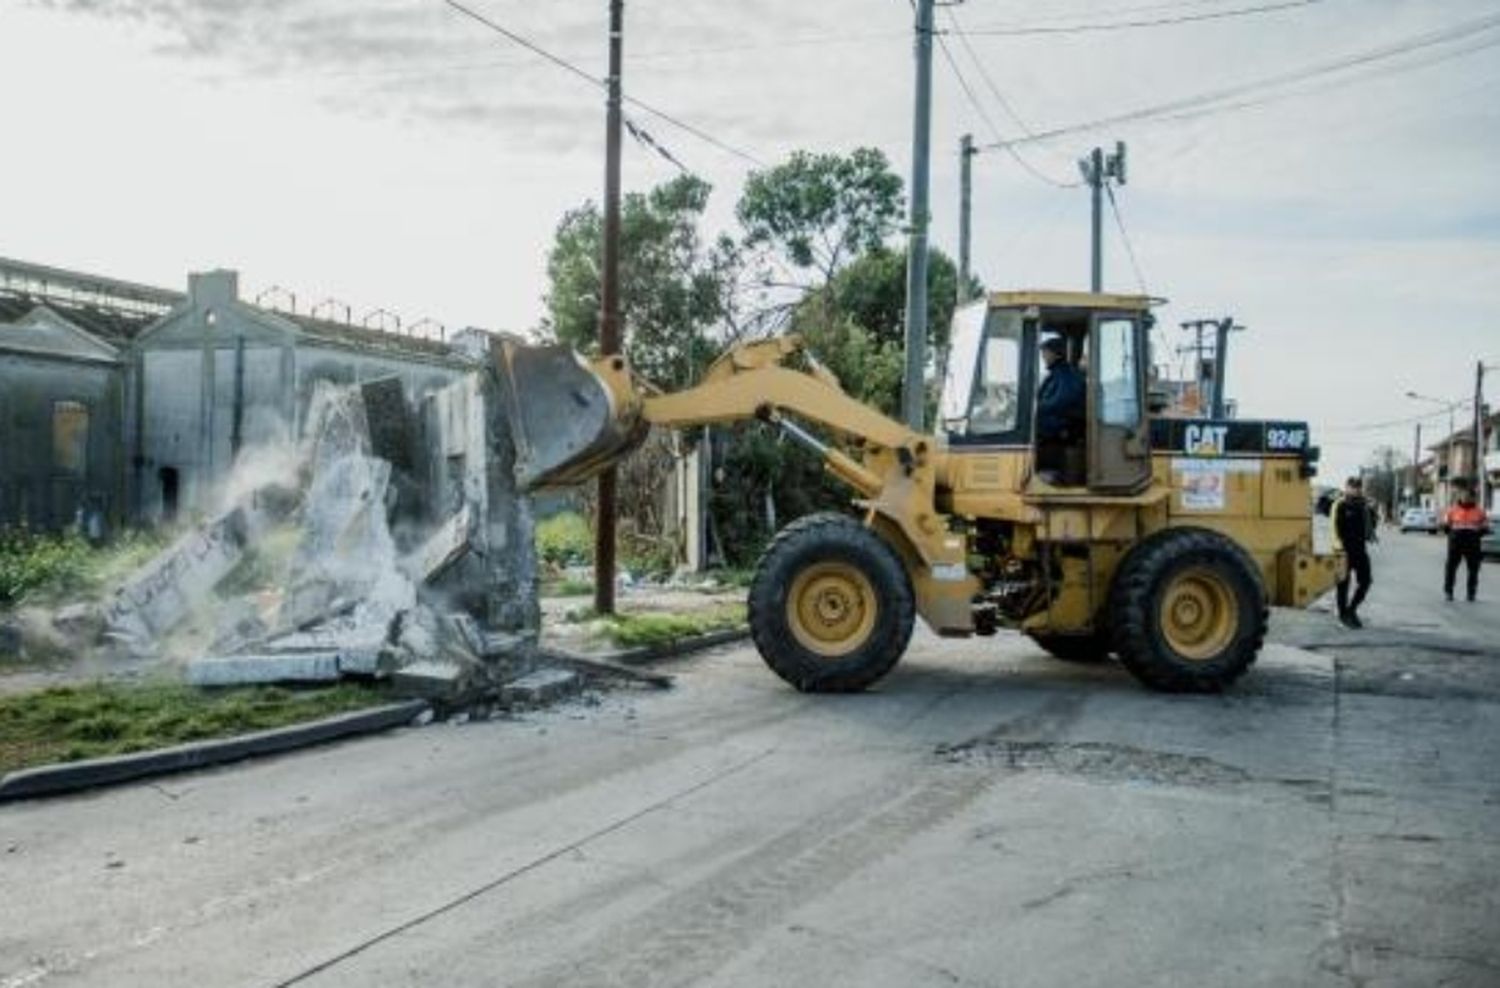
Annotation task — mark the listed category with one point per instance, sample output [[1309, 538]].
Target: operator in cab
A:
[[1061, 411]]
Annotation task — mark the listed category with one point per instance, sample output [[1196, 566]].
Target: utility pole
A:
[[913, 396], [1222, 330], [1416, 467], [609, 314], [1097, 169], [1479, 471], [966, 152]]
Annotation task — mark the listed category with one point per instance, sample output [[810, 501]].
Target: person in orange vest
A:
[[1466, 523]]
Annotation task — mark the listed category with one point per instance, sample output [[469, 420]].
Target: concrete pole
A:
[[966, 154], [913, 394], [1095, 175], [1479, 475], [1416, 467], [609, 315]]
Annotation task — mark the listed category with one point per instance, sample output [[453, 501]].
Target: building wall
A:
[[38, 486], [214, 361]]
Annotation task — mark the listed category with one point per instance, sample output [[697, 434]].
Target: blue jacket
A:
[[1061, 403]]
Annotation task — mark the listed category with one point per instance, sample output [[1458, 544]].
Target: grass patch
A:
[[69, 723], [733, 577], [568, 588], [636, 630]]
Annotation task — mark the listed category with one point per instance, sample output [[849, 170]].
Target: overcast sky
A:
[[396, 154]]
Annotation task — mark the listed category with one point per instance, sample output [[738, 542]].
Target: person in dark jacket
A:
[[1466, 524], [1061, 408], [1353, 529]]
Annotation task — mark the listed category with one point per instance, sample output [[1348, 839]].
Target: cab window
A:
[[995, 405], [1116, 372]]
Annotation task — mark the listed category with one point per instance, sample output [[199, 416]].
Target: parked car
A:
[[1419, 520], [1489, 546]]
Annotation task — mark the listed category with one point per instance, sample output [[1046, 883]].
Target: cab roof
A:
[[1070, 300]]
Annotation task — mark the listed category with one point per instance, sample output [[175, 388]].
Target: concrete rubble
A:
[[390, 542]]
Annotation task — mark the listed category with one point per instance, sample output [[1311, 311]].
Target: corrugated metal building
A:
[[125, 402]]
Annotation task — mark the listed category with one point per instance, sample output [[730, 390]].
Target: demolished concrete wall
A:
[[388, 539], [472, 463]]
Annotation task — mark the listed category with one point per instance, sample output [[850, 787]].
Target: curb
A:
[[683, 646], [646, 654], [47, 780]]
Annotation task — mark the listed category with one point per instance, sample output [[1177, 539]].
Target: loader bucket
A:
[[570, 418]]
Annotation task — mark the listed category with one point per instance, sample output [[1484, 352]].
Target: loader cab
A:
[[996, 371]]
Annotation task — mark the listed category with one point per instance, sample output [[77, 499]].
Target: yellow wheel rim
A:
[[1199, 614], [831, 609]]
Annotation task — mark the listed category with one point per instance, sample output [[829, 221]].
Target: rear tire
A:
[[1075, 648], [1189, 611], [831, 606]]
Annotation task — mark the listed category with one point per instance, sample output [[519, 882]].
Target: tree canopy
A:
[[673, 289], [816, 212]]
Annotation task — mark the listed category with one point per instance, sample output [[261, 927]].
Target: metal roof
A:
[[1070, 300]]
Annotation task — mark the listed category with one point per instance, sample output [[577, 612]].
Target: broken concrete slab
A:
[[541, 686], [467, 630], [507, 644], [246, 670], [81, 621], [177, 582], [433, 680], [443, 547]]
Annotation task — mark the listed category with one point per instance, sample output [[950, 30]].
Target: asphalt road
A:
[[989, 816]]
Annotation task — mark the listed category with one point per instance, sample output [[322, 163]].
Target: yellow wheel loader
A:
[[1161, 540]]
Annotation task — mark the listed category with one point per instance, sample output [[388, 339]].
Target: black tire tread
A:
[[767, 610], [1133, 612]]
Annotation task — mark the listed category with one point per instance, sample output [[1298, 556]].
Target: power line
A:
[[999, 97], [990, 123], [1394, 423], [1022, 30], [660, 54], [1205, 102], [530, 46], [599, 83], [1376, 72], [1140, 279]]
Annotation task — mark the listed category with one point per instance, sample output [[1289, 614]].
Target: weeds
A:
[[34, 564], [73, 722], [636, 630]]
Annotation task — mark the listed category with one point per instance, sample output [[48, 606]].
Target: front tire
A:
[[1189, 611], [831, 607]]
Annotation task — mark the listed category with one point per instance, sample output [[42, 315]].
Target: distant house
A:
[[1456, 461]]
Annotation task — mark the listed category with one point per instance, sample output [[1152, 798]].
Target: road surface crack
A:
[[509, 876]]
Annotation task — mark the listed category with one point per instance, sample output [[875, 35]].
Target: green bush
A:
[[59, 565], [29, 560], [565, 540]]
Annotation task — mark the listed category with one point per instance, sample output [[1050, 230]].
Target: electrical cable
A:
[[1023, 30], [990, 123], [1005, 104], [1140, 279], [1394, 423], [1205, 102], [572, 69]]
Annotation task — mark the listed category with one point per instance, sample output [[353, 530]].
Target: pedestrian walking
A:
[[1466, 523], [1353, 530]]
